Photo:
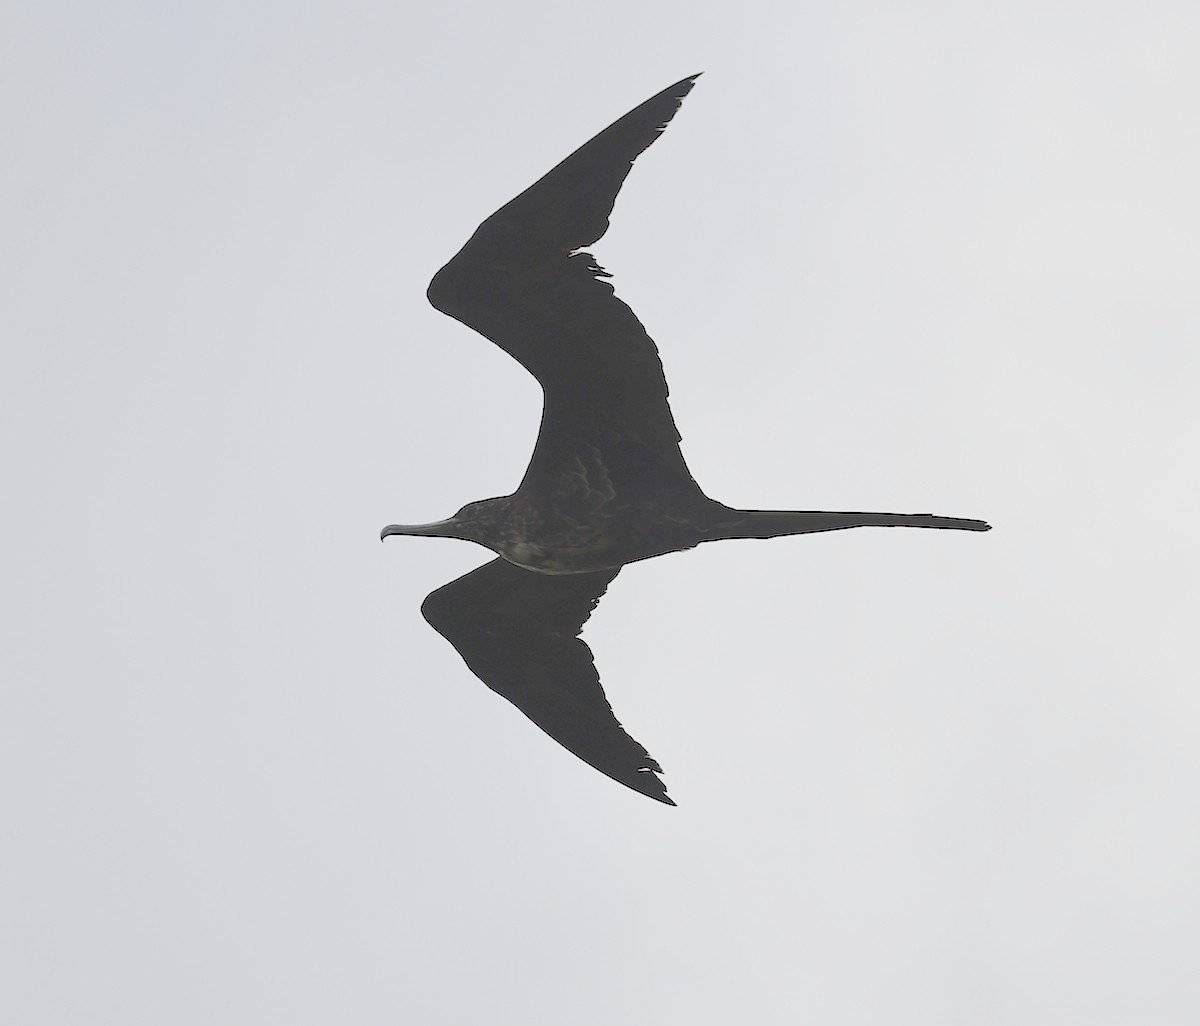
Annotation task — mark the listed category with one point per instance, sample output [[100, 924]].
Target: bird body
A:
[[586, 526], [607, 484]]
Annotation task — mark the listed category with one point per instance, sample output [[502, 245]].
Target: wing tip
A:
[[646, 781], [678, 92]]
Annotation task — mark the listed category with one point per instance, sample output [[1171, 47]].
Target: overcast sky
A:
[[919, 257]]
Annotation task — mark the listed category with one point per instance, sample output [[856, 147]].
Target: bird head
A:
[[474, 522]]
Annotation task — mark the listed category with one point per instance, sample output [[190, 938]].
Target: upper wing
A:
[[521, 282], [518, 632]]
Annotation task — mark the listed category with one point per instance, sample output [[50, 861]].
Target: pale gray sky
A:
[[929, 257]]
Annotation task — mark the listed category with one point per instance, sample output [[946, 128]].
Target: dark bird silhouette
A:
[[607, 484]]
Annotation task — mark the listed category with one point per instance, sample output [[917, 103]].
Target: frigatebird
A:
[[607, 484]]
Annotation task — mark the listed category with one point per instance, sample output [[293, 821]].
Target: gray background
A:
[[926, 257]]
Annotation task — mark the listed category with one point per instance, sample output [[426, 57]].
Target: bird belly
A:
[[580, 556], [542, 560]]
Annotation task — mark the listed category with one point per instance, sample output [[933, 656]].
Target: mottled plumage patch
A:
[[588, 477]]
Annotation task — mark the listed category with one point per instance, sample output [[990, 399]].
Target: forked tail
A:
[[776, 523]]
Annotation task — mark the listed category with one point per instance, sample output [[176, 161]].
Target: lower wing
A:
[[518, 632]]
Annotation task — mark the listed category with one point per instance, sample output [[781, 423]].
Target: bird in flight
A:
[[607, 484]]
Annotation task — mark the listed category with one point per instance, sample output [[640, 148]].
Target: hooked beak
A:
[[439, 528]]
